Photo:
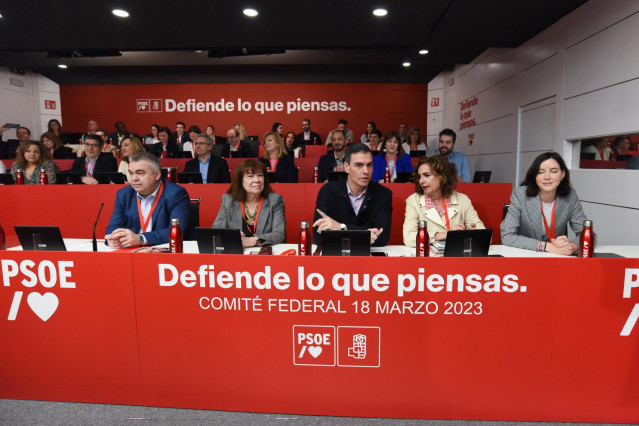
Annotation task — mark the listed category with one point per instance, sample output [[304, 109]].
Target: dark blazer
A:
[[9, 148], [379, 166], [62, 152], [523, 226], [326, 164], [271, 224], [218, 169], [185, 137], [299, 139], [172, 149], [116, 140], [106, 162], [375, 212], [242, 150], [285, 172], [173, 204]]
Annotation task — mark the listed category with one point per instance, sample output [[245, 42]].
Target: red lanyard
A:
[[601, 153], [273, 164], [145, 223], [446, 213], [391, 171], [259, 207], [551, 234], [89, 172]]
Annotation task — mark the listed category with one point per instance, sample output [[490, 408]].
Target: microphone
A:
[[95, 242]]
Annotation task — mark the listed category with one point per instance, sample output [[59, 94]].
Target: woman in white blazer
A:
[[541, 208], [436, 201]]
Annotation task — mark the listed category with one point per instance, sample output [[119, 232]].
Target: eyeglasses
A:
[[91, 145]]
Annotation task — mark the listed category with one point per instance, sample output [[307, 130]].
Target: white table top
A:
[[79, 244]]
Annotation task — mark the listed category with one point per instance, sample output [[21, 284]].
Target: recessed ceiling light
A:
[[120, 13], [380, 12], [0, 15], [198, 51], [250, 12], [423, 52], [64, 67], [406, 64]]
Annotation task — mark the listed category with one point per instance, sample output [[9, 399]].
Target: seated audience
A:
[[279, 129], [403, 135], [235, 147], [213, 169], [210, 131], [277, 160], [241, 132], [357, 203], [108, 145], [334, 160], [436, 201], [92, 126], [9, 148], [143, 210], [348, 133], [291, 148], [393, 158], [542, 207], [600, 148], [620, 146], [119, 134], [251, 206], [307, 136], [93, 162], [55, 126], [180, 136], [447, 139], [153, 137], [128, 146], [166, 147], [194, 131], [370, 126], [31, 158], [53, 144], [414, 141], [374, 140]]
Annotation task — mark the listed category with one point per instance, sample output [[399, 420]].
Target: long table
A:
[[520, 339]]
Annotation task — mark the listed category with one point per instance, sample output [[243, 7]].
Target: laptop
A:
[[336, 175], [404, 177], [346, 243], [468, 243], [482, 176], [6, 179], [189, 177], [40, 238], [63, 178], [227, 241], [109, 177], [418, 153]]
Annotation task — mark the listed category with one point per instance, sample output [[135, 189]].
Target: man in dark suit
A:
[[234, 147], [180, 136], [357, 203], [213, 169], [144, 209], [119, 134], [9, 148], [334, 160], [93, 162], [307, 137]]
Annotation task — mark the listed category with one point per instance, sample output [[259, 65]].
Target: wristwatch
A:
[[141, 239], [342, 227]]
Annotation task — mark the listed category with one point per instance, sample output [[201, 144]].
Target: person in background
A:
[[370, 126], [119, 134], [144, 209], [542, 207], [166, 144], [279, 129], [92, 126], [235, 147], [93, 162], [210, 131], [128, 146], [402, 132], [620, 145], [31, 158], [213, 169], [600, 148], [414, 141], [153, 137], [357, 203], [277, 160], [9, 148], [107, 146], [307, 136], [55, 126], [348, 133], [251, 205], [180, 136], [241, 131], [53, 144], [374, 142], [394, 158], [447, 139], [334, 160], [291, 146], [436, 201], [194, 131]]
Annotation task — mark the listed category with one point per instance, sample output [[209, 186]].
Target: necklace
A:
[[250, 218]]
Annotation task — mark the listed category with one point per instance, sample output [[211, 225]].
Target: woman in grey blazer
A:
[[542, 207], [251, 205]]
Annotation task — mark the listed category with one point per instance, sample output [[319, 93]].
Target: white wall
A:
[[578, 78], [22, 101]]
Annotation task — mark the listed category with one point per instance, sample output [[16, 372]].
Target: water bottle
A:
[[386, 176], [422, 240], [587, 241], [175, 237], [316, 175], [305, 240], [165, 154], [44, 179], [19, 177]]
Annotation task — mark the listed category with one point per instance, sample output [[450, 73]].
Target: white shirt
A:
[[145, 205]]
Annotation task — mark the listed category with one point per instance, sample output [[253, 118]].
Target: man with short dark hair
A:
[[144, 209], [334, 160], [234, 147], [357, 203], [374, 140], [9, 148], [93, 162], [403, 132], [348, 133], [119, 134], [213, 169], [180, 134], [447, 139], [307, 137]]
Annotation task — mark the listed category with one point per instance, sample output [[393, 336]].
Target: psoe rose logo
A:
[[26, 275], [142, 105]]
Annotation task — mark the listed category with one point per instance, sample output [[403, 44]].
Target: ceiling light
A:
[[120, 13], [198, 51], [380, 12], [250, 12], [406, 64], [62, 66], [423, 52], [0, 15]]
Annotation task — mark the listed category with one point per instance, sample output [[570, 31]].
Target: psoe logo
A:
[[28, 274], [148, 105], [631, 280]]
